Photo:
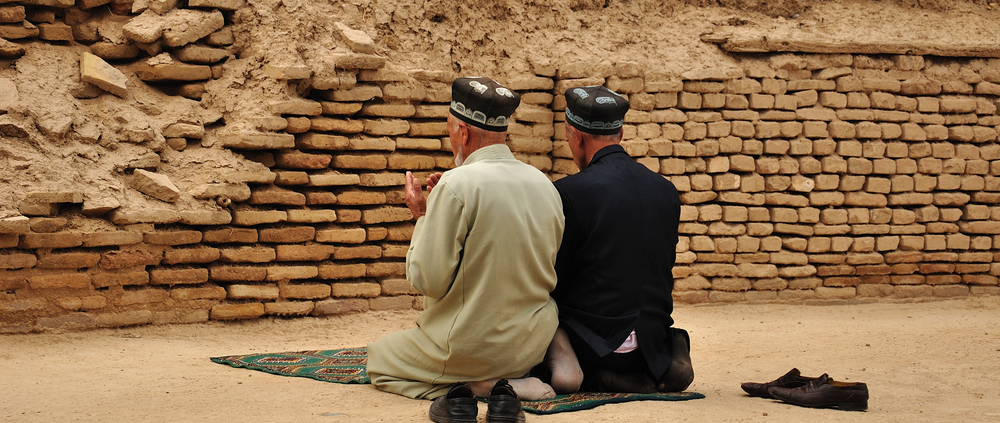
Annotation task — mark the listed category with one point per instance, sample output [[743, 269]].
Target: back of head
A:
[[483, 103], [596, 110]]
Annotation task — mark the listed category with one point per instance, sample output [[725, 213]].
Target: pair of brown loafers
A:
[[822, 391], [459, 405]]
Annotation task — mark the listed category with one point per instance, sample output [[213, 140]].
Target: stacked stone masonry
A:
[[802, 177]]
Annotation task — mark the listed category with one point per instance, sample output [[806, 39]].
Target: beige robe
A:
[[484, 257]]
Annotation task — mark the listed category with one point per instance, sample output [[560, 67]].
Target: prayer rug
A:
[[348, 366]]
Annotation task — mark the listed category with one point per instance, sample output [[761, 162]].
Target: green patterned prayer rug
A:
[[348, 366]]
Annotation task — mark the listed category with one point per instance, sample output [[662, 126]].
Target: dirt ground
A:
[[923, 362]]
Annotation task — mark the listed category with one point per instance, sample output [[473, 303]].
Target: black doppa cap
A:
[[595, 110], [483, 103]]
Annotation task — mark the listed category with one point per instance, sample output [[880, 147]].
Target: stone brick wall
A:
[[803, 176]]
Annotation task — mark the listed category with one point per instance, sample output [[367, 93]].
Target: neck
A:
[[482, 138], [591, 148]]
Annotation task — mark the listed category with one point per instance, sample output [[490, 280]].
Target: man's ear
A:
[[573, 135], [463, 133]]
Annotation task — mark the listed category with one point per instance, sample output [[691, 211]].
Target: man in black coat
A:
[[615, 263]]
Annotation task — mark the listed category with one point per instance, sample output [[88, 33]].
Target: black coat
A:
[[618, 250]]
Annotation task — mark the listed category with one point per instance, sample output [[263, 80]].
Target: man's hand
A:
[[414, 196], [432, 181]]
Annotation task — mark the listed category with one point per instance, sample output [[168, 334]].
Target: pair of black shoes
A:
[[822, 391], [460, 405]]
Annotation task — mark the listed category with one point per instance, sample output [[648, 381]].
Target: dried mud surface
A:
[[80, 144]]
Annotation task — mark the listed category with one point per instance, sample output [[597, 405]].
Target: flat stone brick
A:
[[58, 281], [17, 261], [53, 240], [130, 258], [312, 291], [257, 141], [291, 159], [311, 216], [875, 290], [142, 296], [15, 225], [247, 254], [103, 239], [913, 291], [346, 236], [191, 255], [237, 311], [316, 252], [403, 302], [690, 297], [178, 276], [121, 278], [68, 260], [287, 235], [320, 141], [342, 271], [237, 273], [129, 318], [257, 217], [276, 195], [726, 297], [205, 217], [216, 293], [398, 287], [335, 307], [386, 214], [279, 273], [832, 293], [262, 292], [386, 269], [981, 280], [370, 162], [289, 308], [353, 290], [361, 252]]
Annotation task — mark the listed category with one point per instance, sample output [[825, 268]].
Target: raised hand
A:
[[432, 181], [414, 195]]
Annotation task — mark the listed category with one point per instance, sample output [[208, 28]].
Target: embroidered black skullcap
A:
[[595, 110], [483, 103]]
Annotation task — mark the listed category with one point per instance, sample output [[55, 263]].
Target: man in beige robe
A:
[[483, 254]]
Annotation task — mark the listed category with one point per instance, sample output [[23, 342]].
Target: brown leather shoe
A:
[[827, 393], [790, 380]]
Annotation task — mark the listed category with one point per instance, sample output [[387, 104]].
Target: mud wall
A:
[[803, 176]]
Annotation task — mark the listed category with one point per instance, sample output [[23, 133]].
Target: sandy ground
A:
[[923, 362]]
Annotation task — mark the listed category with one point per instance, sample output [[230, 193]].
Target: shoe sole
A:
[[445, 419], [846, 406], [505, 419]]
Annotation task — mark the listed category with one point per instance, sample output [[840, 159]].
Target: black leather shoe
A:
[[504, 406], [790, 380], [826, 393], [458, 406]]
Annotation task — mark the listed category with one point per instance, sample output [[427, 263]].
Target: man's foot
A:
[[680, 374], [528, 388], [561, 359], [635, 383]]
